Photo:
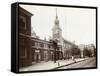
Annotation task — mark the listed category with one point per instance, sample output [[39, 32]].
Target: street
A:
[[49, 65], [91, 62]]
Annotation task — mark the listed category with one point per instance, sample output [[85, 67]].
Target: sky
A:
[[77, 24]]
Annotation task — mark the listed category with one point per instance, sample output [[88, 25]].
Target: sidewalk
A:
[[50, 65]]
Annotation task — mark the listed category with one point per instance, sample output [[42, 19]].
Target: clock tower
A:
[[57, 32]]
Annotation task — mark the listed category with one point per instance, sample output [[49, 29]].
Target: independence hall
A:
[[32, 49]]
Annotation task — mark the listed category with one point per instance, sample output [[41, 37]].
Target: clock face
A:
[[57, 36]]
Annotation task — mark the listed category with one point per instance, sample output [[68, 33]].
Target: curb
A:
[[68, 64]]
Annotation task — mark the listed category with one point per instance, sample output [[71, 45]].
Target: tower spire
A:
[[56, 14]]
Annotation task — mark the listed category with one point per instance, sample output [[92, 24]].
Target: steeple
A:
[[57, 32], [56, 14], [56, 20]]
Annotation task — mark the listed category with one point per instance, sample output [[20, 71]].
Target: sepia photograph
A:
[[56, 37]]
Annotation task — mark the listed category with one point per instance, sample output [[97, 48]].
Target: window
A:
[[23, 52], [41, 45], [21, 40], [33, 43], [22, 22]]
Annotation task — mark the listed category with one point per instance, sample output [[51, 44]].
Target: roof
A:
[[25, 11], [68, 42], [40, 40]]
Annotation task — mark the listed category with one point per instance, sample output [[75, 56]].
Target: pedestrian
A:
[[73, 59], [58, 64]]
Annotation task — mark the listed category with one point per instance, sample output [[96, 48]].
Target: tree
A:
[[87, 52], [76, 52], [94, 49]]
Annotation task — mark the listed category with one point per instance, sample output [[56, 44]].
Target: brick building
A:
[[25, 52], [43, 50]]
